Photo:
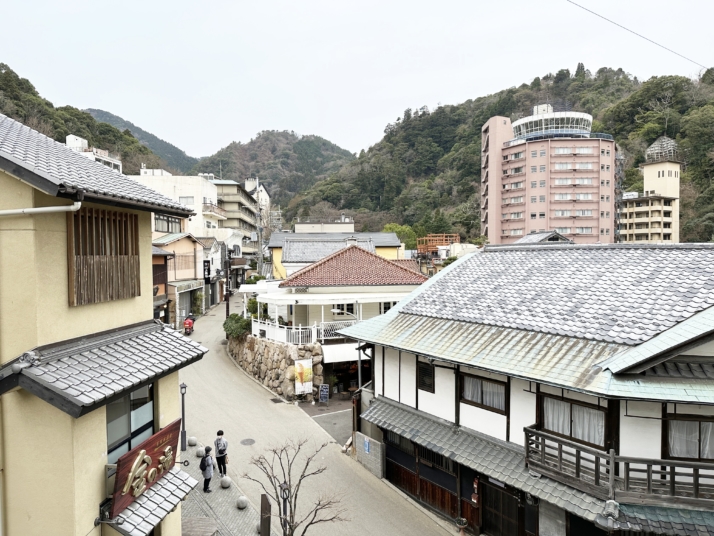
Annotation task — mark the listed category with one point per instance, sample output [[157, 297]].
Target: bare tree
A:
[[285, 468]]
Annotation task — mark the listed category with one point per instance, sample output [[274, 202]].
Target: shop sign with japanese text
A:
[[138, 469]]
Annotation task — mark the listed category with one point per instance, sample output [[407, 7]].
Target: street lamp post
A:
[[183, 417], [285, 494]]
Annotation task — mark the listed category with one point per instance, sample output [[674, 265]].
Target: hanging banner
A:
[[207, 272], [303, 377]]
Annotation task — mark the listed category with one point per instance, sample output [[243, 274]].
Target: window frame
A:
[[572, 402], [419, 375], [684, 417], [133, 434], [507, 397]]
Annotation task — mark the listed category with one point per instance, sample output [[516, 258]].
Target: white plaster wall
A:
[[408, 379], [484, 421], [690, 409], [572, 395], [441, 402], [523, 410], [641, 437], [377, 370], [551, 520], [391, 374]]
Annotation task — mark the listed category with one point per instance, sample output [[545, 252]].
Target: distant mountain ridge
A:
[[174, 157]]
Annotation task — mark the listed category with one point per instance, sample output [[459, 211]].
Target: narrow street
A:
[[221, 396]]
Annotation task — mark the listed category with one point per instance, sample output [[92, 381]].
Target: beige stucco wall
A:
[[34, 304], [185, 246]]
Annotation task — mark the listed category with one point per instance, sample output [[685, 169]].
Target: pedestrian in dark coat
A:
[[208, 471], [221, 444]]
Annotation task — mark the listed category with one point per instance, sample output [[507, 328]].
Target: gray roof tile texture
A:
[[147, 511], [301, 250], [620, 294], [61, 166], [378, 239], [91, 370]]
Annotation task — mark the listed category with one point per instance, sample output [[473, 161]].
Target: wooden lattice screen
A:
[[102, 256]]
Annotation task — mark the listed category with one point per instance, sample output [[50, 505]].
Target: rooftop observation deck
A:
[[429, 244]]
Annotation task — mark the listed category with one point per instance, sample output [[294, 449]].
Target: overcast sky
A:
[[203, 74]]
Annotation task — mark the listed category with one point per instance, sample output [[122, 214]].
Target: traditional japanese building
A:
[[89, 391], [551, 389]]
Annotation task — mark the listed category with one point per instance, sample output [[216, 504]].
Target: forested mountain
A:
[[284, 162], [174, 157], [425, 172], [20, 100]]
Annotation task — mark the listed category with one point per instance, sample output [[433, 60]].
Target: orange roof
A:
[[409, 264], [353, 266]]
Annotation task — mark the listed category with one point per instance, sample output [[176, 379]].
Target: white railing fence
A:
[[300, 334]]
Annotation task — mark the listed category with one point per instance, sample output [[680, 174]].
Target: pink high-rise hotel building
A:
[[547, 172]]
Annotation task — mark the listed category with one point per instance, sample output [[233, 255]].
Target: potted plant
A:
[[331, 380], [461, 524]]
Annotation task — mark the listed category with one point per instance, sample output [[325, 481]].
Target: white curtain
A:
[[472, 389], [494, 395], [589, 425], [684, 439], [707, 448], [556, 416]]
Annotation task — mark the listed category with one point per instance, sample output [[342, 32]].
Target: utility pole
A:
[[260, 250], [227, 293]]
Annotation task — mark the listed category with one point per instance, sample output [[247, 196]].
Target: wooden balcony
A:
[[634, 480], [429, 244]]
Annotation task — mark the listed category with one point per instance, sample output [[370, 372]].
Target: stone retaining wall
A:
[[273, 363]]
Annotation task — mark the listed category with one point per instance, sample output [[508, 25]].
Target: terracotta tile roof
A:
[[353, 266], [409, 264]]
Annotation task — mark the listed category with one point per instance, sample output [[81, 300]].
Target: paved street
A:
[[221, 396]]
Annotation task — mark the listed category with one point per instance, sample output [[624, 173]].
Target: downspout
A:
[[74, 207]]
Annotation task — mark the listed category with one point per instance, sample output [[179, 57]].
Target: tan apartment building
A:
[[88, 380], [653, 216], [547, 172], [242, 212]]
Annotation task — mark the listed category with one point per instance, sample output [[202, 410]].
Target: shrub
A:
[[237, 327]]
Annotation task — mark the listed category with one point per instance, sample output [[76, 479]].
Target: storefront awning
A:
[[81, 375], [183, 286], [152, 506]]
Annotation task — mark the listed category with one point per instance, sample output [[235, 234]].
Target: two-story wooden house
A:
[[553, 389], [89, 391]]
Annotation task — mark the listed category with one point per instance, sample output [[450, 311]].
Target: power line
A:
[[638, 35]]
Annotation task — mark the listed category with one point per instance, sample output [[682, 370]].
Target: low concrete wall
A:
[[372, 460], [273, 363]]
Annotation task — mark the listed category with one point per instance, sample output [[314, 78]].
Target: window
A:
[[542, 152], [541, 215], [608, 152], [602, 231], [690, 438], [533, 199], [103, 248], [562, 230], [607, 198], [602, 182], [402, 443], [516, 215], [516, 232], [583, 197], [542, 199], [434, 459], [515, 185], [602, 167], [505, 172], [563, 182], [166, 224], [607, 167], [534, 169], [583, 180], [607, 214], [346, 308], [186, 200], [542, 169], [534, 183], [516, 156], [487, 394], [563, 150], [425, 376], [583, 165], [581, 423], [517, 170], [130, 421], [533, 215], [602, 152], [534, 154], [386, 306], [607, 183], [542, 184], [584, 230], [563, 165], [587, 212], [607, 232], [562, 197], [584, 150], [602, 213], [562, 213]]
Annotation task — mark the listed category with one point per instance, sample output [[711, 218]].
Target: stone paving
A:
[[220, 506]]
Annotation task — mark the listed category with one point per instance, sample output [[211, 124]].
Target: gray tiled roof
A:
[[498, 459], [541, 236], [504, 461], [149, 508], [84, 373], [378, 239], [624, 294], [171, 237], [61, 167], [160, 252], [302, 250]]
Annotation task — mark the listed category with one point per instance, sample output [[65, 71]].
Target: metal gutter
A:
[[74, 207]]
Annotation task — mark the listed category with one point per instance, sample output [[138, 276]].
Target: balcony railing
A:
[[635, 480], [210, 208], [319, 331]]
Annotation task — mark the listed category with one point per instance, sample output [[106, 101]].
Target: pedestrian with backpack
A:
[[206, 467], [221, 453]]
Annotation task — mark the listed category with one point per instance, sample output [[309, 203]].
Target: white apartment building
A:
[[81, 146], [255, 188]]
